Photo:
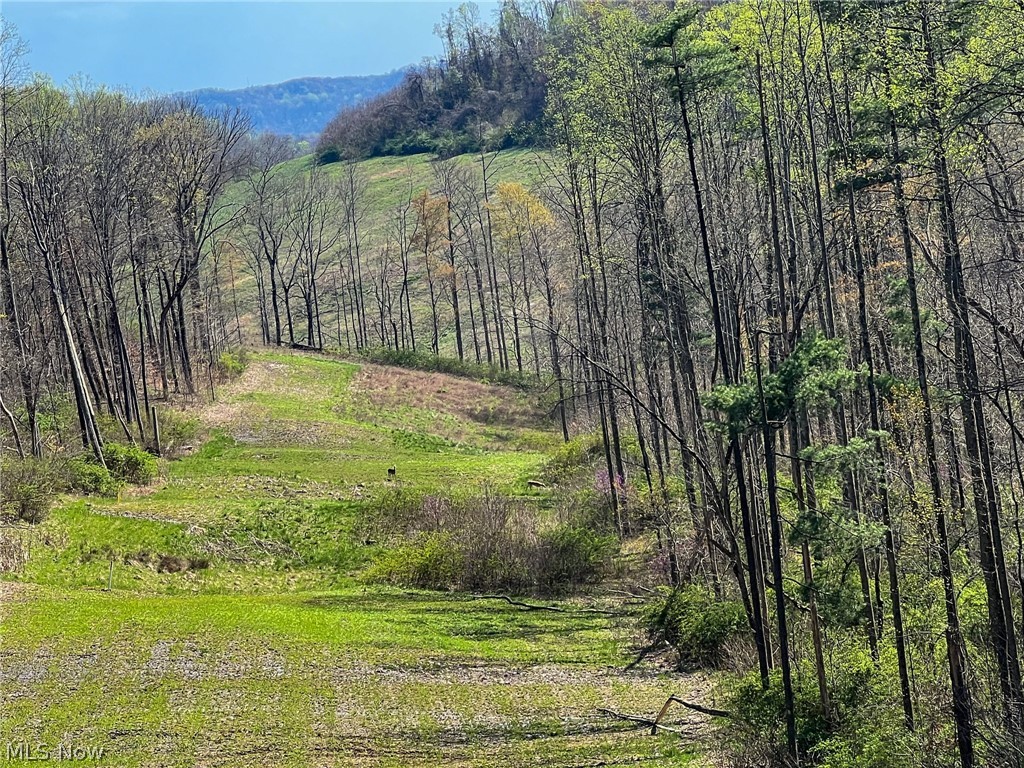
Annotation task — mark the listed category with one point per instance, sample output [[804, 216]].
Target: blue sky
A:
[[142, 45]]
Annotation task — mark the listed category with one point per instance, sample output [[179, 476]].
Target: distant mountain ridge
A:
[[300, 107]]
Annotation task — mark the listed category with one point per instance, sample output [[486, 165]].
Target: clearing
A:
[[226, 650]]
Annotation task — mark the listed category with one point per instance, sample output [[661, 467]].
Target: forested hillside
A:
[[486, 91], [764, 281], [298, 108]]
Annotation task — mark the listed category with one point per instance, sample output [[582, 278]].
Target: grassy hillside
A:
[[390, 179], [239, 632]]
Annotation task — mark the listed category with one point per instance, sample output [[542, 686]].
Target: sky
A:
[[153, 46]]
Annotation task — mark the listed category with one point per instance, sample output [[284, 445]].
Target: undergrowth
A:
[[488, 542]]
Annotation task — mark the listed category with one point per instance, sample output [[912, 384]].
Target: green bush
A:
[[863, 728], [485, 542], [176, 428], [582, 451], [231, 364], [871, 742], [28, 488], [87, 476], [431, 561], [125, 465], [571, 556], [129, 463], [696, 624], [391, 514]]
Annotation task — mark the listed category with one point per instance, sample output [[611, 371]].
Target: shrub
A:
[[129, 463], [431, 561], [589, 508], [231, 364], [87, 476], [571, 556], [486, 542], [696, 624], [14, 548], [28, 488], [176, 428], [389, 516], [576, 454], [863, 729]]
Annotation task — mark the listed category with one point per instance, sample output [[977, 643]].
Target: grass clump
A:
[[289, 534]]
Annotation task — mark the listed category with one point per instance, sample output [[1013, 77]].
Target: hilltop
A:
[[301, 107], [488, 90]]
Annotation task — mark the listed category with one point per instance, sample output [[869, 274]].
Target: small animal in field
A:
[[392, 473]]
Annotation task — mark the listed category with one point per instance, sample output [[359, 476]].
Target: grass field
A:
[[214, 649], [390, 180]]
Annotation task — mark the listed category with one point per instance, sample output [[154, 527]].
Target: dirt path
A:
[[225, 410]]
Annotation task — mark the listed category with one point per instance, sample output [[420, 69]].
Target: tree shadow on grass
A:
[[483, 621]]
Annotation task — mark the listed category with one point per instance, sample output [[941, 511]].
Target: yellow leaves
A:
[[517, 214]]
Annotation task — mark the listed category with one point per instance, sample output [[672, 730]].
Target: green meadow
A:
[[219, 617]]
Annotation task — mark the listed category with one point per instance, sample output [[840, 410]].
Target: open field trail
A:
[[238, 631]]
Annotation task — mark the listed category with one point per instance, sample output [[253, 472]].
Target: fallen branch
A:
[[688, 705], [305, 347], [633, 595], [520, 604], [636, 719]]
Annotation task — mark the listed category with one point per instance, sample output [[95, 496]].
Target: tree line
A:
[[772, 261], [112, 211]]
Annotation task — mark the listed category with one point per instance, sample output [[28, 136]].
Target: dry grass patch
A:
[[470, 400]]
